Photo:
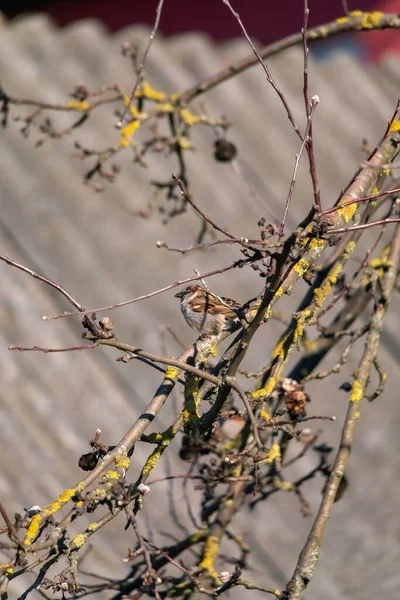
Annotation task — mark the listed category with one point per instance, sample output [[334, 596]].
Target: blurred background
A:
[[266, 21], [101, 252]]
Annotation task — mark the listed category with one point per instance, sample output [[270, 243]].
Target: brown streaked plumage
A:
[[205, 312]]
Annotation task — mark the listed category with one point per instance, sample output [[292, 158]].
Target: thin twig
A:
[[187, 197], [359, 200], [314, 104], [267, 72], [49, 282], [308, 107], [133, 521], [142, 64], [151, 294], [321, 32], [363, 226], [64, 107], [274, 423], [181, 568], [249, 410], [242, 241], [50, 350], [12, 530]]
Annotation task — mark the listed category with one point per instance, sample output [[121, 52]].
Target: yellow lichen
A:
[[152, 438], [210, 553], [6, 569], [252, 313], [371, 20], [382, 262], [285, 486], [167, 436], [122, 460], [184, 143], [100, 492], [82, 105], [265, 415], [175, 97], [189, 118], [357, 392], [127, 133], [51, 508], [353, 13], [133, 109], [151, 462], [395, 125], [172, 373], [323, 32], [299, 330], [301, 266], [267, 315], [375, 190], [191, 409], [92, 526], [279, 351], [197, 536], [66, 496], [167, 107], [32, 530], [148, 92], [347, 212], [349, 249], [266, 391], [322, 292], [79, 540], [213, 349], [135, 112], [62, 499], [317, 244], [191, 385], [273, 453], [186, 415]]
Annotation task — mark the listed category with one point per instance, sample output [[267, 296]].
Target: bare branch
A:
[[49, 282], [363, 226], [151, 294], [296, 165], [142, 64]]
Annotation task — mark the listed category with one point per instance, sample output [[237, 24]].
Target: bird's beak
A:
[[180, 294]]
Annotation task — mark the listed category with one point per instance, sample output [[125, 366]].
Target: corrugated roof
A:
[[94, 245]]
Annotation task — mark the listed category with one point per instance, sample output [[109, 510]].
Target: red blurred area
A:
[[377, 43], [265, 20]]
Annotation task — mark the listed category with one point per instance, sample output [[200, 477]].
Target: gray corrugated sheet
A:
[[52, 404]]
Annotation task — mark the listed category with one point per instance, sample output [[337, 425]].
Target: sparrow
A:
[[207, 313]]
